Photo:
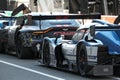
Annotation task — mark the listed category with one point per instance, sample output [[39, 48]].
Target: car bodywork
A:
[[3, 39], [30, 28], [82, 53], [110, 38], [4, 21]]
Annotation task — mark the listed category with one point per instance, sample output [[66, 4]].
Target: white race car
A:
[[82, 53]]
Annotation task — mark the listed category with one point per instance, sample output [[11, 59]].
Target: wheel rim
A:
[[82, 62]]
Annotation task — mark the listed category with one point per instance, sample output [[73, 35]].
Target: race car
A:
[[4, 22], [3, 34], [20, 38], [110, 38], [82, 53], [26, 35]]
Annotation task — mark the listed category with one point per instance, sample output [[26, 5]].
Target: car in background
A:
[[26, 29], [30, 29], [4, 22]]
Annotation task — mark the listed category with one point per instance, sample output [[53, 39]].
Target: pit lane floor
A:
[[12, 68]]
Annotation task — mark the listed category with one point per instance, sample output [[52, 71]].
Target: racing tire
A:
[[117, 20], [3, 48], [46, 53], [59, 55], [21, 51], [82, 63], [40, 51]]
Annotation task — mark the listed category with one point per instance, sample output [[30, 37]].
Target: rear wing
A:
[[68, 16], [94, 28], [107, 28], [8, 18]]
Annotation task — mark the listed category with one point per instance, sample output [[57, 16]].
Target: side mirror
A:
[[92, 31]]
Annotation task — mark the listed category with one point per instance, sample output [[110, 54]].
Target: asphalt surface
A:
[[12, 68]]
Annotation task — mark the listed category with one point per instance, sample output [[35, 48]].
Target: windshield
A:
[[58, 23], [44, 24]]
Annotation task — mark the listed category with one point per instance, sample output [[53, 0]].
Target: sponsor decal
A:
[[65, 33]]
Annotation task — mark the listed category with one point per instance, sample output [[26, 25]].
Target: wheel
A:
[[59, 55], [82, 62], [21, 51], [3, 48], [117, 20], [46, 53], [40, 51]]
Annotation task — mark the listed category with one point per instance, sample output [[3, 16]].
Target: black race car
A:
[[29, 30]]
